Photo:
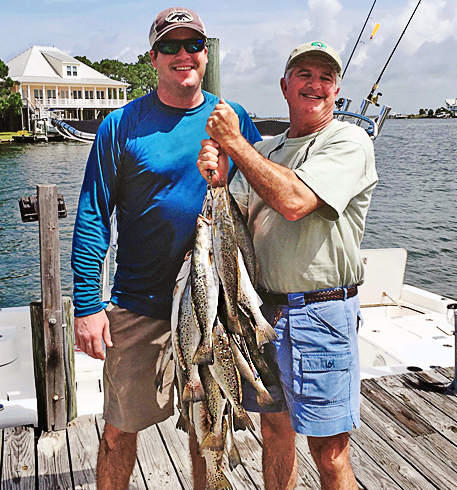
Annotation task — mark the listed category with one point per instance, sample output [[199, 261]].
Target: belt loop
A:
[[345, 297]]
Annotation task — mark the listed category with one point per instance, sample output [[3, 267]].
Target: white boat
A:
[[405, 329]]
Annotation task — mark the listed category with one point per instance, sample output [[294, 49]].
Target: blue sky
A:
[[256, 38]]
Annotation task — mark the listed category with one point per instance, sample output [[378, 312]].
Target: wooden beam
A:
[[47, 323], [212, 79]]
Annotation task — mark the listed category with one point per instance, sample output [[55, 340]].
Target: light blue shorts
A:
[[318, 359]]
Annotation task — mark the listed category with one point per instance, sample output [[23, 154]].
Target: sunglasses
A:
[[173, 46]]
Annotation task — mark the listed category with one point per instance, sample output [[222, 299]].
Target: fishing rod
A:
[[374, 98], [358, 39]]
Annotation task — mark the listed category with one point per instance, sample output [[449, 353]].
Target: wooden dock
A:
[[408, 440]]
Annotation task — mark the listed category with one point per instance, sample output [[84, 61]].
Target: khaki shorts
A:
[[132, 403]]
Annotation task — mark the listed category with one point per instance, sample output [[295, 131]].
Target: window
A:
[[51, 94], [100, 94], [75, 71], [89, 94], [38, 94], [77, 94], [68, 71]]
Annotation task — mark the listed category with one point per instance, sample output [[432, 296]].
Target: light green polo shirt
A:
[[322, 249]]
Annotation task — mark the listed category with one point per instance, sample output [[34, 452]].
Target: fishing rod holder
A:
[[381, 118], [372, 129]]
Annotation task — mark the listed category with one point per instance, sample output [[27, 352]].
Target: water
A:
[[414, 205]]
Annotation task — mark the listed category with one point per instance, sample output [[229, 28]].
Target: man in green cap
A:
[[305, 194]]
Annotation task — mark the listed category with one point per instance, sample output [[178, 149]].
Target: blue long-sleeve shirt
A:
[[143, 162]]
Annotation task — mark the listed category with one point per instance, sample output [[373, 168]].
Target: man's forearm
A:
[[278, 186]]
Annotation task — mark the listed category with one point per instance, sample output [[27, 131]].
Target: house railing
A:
[[81, 103]]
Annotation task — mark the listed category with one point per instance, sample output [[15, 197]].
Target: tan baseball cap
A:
[[173, 18], [317, 48]]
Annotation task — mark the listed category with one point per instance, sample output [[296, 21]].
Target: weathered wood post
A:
[[46, 319], [212, 79]]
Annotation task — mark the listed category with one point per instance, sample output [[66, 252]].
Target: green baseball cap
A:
[[315, 48]]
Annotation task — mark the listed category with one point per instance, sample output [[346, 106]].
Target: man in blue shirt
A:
[[143, 164]]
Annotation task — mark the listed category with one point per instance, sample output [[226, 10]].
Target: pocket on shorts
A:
[[325, 378], [321, 351]]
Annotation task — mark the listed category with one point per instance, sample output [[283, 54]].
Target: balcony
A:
[[59, 103]]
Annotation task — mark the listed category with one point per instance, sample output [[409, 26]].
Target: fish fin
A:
[[193, 392], [204, 354], [158, 382], [265, 333], [241, 419], [214, 442]]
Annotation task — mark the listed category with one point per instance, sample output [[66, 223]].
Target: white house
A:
[[50, 80], [451, 104]]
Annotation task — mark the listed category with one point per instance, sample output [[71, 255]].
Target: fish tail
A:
[[204, 354], [212, 441], [218, 481], [182, 423], [241, 419], [234, 457], [193, 392], [265, 333], [233, 325]]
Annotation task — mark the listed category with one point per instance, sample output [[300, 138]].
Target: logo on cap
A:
[[319, 45], [179, 16]]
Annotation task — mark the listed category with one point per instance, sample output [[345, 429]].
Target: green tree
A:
[[141, 76], [421, 112], [84, 60], [430, 112], [10, 104]]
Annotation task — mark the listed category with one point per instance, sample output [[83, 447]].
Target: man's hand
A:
[[213, 158], [89, 331], [223, 125]]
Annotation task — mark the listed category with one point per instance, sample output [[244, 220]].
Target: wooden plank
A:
[[249, 473], [70, 338], [448, 372], [83, 444], [411, 422], [445, 403], [378, 465], [367, 472], [413, 448], [136, 480], [52, 307], [18, 460], [53, 461], [154, 461], [398, 387], [177, 444]]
